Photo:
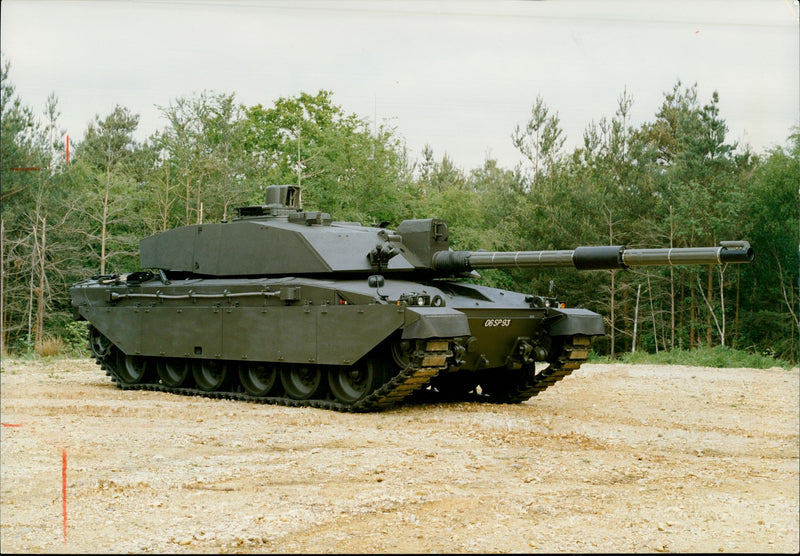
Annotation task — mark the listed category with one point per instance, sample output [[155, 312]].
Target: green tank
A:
[[290, 307]]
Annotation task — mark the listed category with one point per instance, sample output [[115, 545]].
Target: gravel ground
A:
[[615, 458]]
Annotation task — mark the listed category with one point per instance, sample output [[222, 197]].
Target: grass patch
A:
[[718, 356], [50, 347]]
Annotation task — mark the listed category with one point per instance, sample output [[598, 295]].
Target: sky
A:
[[457, 76]]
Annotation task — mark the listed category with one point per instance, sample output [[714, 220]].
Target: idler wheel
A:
[[131, 369], [210, 375], [173, 372], [302, 382], [99, 345], [259, 379], [402, 352], [351, 384]]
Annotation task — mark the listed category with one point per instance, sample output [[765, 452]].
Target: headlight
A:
[[414, 299]]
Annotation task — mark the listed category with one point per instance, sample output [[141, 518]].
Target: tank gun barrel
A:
[[593, 257]]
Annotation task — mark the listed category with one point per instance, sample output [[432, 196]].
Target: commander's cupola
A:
[[281, 200]]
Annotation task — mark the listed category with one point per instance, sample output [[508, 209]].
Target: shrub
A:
[[49, 347], [717, 356]]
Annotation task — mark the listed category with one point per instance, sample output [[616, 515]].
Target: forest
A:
[[73, 209]]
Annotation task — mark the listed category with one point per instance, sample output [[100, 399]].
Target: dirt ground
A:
[[615, 458]]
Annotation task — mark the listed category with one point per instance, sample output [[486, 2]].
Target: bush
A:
[[718, 356], [49, 347], [76, 334]]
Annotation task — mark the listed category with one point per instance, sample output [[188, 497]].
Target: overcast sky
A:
[[455, 75]]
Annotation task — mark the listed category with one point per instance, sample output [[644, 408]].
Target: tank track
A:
[[520, 386], [408, 384], [573, 353], [415, 376]]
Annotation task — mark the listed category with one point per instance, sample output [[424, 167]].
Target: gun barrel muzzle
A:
[[727, 252]]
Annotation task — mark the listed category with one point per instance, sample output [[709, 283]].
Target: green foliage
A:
[[74, 336], [202, 169], [718, 357], [344, 169], [540, 140]]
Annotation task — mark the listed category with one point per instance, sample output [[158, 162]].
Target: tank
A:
[[285, 306]]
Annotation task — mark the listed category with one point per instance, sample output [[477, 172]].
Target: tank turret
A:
[[279, 238], [285, 306]]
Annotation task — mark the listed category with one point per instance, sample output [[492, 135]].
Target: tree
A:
[[16, 154], [540, 140], [340, 164], [224, 133], [203, 148], [180, 140], [771, 207], [695, 171], [32, 214], [609, 185], [108, 149], [285, 139]]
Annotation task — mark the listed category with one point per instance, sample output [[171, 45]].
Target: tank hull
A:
[[440, 330]]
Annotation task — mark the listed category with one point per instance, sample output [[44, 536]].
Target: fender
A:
[[569, 322], [434, 322]]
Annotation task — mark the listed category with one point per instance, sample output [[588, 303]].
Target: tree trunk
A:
[[652, 312], [636, 318], [199, 208], [613, 325], [2, 288], [720, 327], [612, 307], [735, 343], [710, 290], [165, 217], [722, 302], [692, 317], [188, 190], [105, 222], [40, 299], [32, 282], [671, 285]]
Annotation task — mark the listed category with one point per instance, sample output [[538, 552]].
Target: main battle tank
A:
[[285, 306]]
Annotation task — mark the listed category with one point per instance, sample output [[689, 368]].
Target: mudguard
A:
[[570, 322], [434, 322]]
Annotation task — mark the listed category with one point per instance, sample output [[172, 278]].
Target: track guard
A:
[[571, 322]]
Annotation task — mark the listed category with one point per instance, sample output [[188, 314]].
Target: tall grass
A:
[[50, 347], [718, 356]]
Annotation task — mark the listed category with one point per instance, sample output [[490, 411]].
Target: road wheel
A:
[[259, 379], [303, 382], [210, 375], [131, 369], [173, 372], [351, 384]]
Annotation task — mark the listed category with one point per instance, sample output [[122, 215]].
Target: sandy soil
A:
[[615, 458]]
